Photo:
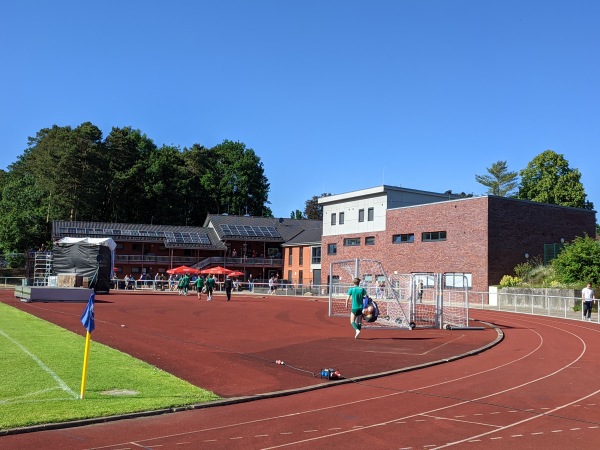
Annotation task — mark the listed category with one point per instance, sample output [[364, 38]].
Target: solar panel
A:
[[249, 230]]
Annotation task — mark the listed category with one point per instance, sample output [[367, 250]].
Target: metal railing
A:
[[536, 304]]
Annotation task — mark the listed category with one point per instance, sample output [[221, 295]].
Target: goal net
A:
[[424, 300], [393, 302]]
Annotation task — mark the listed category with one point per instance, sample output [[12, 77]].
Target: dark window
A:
[[290, 257], [341, 222], [370, 240], [301, 255], [351, 242], [403, 238], [300, 277], [429, 236], [316, 255], [332, 249], [370, 214], [333, 219], [361, 215]]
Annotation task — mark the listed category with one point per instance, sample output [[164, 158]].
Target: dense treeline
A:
[[74, 174]]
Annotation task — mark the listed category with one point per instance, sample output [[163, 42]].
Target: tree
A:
[[579, 262], [312, 209], [296, 215], [232, 177], [500, 181], [23, 220], [548, 179], [68, 166]]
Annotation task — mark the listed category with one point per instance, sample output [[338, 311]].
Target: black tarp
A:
[[91, 261]]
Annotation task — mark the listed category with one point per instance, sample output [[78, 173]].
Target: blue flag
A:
[[87, 319]]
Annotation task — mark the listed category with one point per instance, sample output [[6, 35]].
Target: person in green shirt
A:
[[210, 284], [199, 285], [356, 294], [184, 284]]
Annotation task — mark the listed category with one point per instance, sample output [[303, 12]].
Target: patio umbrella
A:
[[216, 271], [236, 273], [183, 269]]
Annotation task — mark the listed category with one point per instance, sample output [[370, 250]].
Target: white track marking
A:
[[44, 367]]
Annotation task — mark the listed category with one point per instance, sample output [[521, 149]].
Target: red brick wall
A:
[[485, 236]]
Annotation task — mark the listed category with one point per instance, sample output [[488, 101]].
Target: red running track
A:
[[534, 390]]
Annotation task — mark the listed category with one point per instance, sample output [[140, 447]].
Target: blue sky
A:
[[333, 96]]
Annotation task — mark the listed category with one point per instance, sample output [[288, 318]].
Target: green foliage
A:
[[548, 179], [296, 215], [500, 181], [523, 270], [312, 209], [72, 174], [579, 262], [509, 281], [15, 260]]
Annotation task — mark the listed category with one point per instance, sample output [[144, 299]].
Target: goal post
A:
[[405, 301], [394, 309]]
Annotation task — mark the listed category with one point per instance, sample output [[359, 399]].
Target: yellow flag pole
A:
[[85, 364]]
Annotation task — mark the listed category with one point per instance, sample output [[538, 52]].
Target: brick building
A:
[[481, 238]]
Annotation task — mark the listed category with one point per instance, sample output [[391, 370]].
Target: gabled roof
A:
[[308, 236], [245, 228], [171, 235]]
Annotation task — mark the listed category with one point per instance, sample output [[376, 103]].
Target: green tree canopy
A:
[[73, 174], [312, 209], [499, 180], [579, 262], [549, 179]]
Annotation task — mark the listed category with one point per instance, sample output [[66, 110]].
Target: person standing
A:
[[587, 301], [228, 284], [210, 284], [250, 283], [272, 285], [185, 284], [357, 295], [199, 286]]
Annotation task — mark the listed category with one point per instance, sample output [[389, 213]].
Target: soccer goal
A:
[[423, 300], [393, 304]]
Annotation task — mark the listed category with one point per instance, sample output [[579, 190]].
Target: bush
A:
[[579, 262], [509, 281]]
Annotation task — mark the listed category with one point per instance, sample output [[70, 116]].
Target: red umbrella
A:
[[236, 273], [217, 271], [183, 269]]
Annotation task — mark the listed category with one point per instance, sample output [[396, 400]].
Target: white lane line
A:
[[44, 367]]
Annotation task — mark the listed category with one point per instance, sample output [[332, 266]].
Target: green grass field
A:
[[40, 376]]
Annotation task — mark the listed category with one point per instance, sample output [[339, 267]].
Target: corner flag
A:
[[87, 319]]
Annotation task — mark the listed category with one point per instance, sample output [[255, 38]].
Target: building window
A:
[[301, 255], [341, 222], [351, 242], [370, 214], [290, 256], [289, 278], [430, 236], [332, 249], [370, 240], [403, 238], [316, 255], [333, 219], [136, 247], [458, 280], [300, 277], [361, 215]]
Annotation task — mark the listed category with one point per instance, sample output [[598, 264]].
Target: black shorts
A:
[[357, 312]]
